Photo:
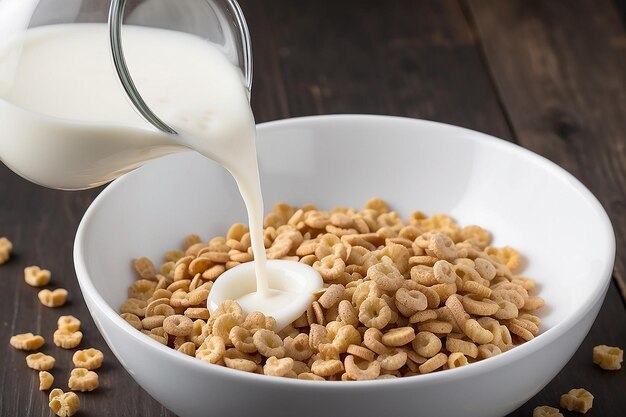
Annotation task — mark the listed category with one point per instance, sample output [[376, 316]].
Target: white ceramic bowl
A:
[[527, 201]]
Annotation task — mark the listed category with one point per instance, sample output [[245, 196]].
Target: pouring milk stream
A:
[[52, 136]]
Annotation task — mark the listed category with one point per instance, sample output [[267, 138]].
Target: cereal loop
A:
[[410, 302], [361, 370], [392, 360], [426, 344], [346, 335], [442, 247], [298, 347], [89, 359], [178, 325], [477, 333], [479, 306], [386, 275], [444, 272], [398, 337], [462, 346], [269, 343], [277, 367], [456, 360], [433, 363], [212, 349], [374, 313]]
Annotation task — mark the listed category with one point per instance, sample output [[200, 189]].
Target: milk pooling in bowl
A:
[[68, 124]]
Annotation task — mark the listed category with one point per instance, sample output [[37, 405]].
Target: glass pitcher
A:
[[73, 114]]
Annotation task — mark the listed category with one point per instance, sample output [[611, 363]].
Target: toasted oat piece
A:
[[545, 411], [36, 277], [5, 249], [55, 298], [40, 361], [83, 380], [64, 404], [45, 380], [27, 341], [577, 399], [608, 357]]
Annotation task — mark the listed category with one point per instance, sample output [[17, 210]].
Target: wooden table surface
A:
[[547, 75]]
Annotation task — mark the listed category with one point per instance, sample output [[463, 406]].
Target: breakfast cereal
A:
[[578, 399], [64, 404], [399, 298], [5, 249], [55, 298], [36, 277], [83, 380], [45, 380], [89, 359], [26, 341], [608, 357]]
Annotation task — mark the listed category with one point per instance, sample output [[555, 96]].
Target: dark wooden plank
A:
[[414, 59], [41, 223], [621, 7], [560, 71], [606, 386]]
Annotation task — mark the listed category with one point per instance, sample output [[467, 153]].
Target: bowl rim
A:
[[481, 367]]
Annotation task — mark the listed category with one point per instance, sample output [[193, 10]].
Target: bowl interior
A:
[[524, 200]]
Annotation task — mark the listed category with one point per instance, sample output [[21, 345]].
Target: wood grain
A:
[[560, 73], [547, 75], [415, 59]]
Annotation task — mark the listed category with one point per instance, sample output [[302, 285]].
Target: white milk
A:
[[66, 122]]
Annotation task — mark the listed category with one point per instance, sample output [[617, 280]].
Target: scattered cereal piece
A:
[[89, 359], [27, 341], [40, 361], [36, 277], [83, 380], [133, 320], [66, 339], [145, 268], [54, 298], [64, 404], [277, 367], [578, 399], [608, 357], [45, 380], [5, 249], [545, 411], [361, 370], [68, 323]]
